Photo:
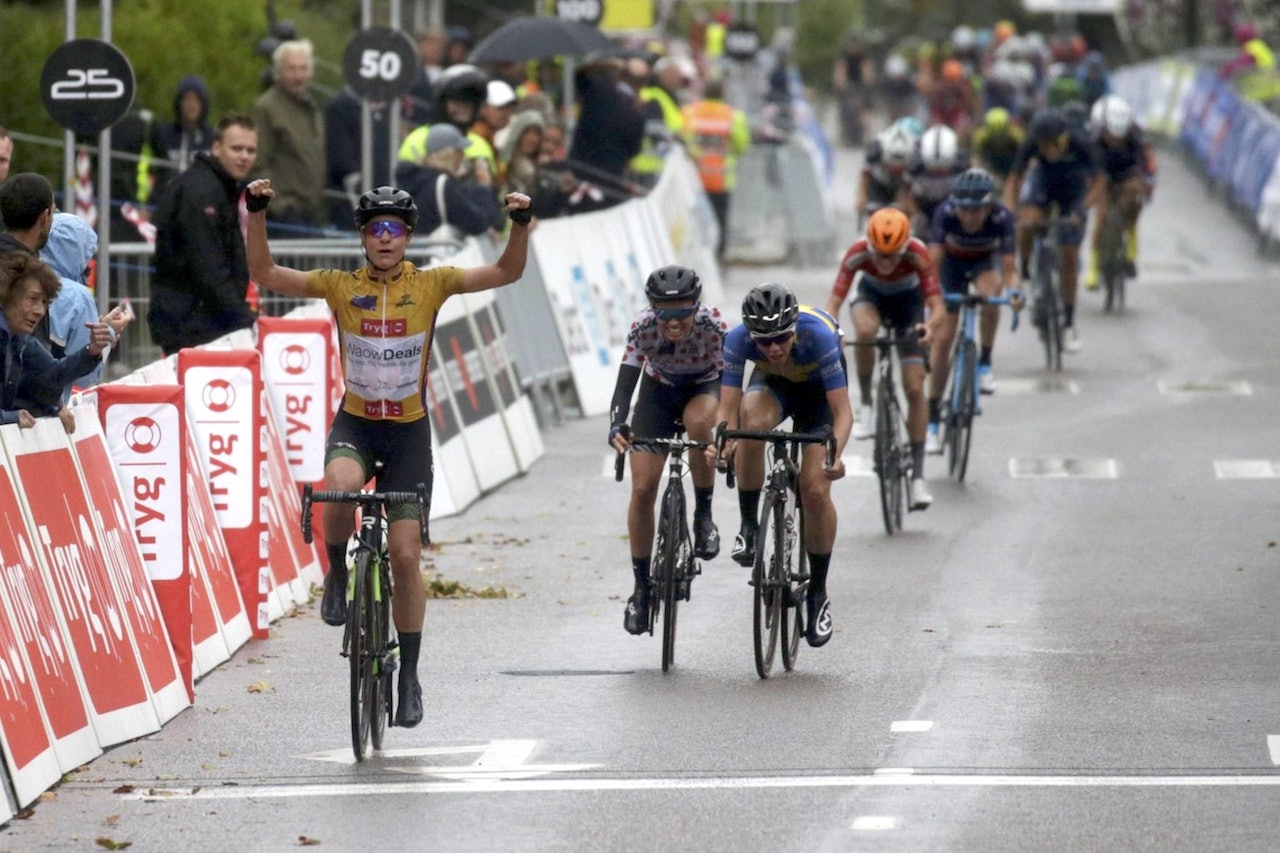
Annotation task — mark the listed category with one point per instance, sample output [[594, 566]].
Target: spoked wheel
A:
[[672, 518], [886, 465], [363, 682], [960, 425], [797, 583], [1051, 332], [379, 709], [765, 575], [1111, 251]]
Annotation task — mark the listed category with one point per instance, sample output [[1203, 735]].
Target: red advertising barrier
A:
[[225, 403], [145, 428], [113, 531], [85, 596]]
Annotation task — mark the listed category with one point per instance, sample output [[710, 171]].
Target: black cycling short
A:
[[955, 273], [899, 310], [659, 407], [404, 449], [804, 402]]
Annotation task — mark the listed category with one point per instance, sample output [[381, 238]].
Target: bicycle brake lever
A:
[[617, 467], [306, 513]]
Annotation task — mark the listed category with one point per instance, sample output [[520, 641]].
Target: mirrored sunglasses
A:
[[386, 228], [779, 339], [665, 314]]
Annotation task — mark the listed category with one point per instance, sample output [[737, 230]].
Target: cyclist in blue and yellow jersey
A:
[[386, 313], [896, 284], [1130, 167], [799, 373], [675, 350], [1055, 166], [972, 238]]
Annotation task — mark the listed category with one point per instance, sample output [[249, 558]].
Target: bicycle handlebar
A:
[[979, 299], [366, 500], [893, 339], [669, 443], [723, 433]]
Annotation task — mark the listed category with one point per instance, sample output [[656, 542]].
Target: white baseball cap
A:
[[500, 94]]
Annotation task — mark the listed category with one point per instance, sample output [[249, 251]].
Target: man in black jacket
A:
[[201, 271]]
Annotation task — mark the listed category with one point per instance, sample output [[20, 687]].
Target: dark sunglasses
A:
[[764, 341], [386, 228], [665, 314]]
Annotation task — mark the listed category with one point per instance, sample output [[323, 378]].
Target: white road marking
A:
[[700, 783], [911, 725], [1059, 468], [499, 759], [1245, 469], [894, 771], [1229, 386], [874, 822], [1273, 746], [1014, 385]]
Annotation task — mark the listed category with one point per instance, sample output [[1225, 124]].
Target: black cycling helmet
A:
[[1048, 125], [770, 309], [672, 283], [463, 82], [386, 201], [973, 188]]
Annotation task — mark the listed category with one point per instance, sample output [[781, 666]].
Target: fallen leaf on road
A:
[[111, 844], [261, 687]]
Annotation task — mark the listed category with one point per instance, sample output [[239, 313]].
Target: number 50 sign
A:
[[380, 64], [87, 85]]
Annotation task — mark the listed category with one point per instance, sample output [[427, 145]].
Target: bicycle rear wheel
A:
[[379, 709], [673, 536], [1111, 254], [1051, 332], [768, 567], [797, 583], [960, 428], [358, 651]]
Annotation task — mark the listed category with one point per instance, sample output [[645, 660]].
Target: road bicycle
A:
[[368, 640], [780, 568], [1112, 262], [960, 402], [891, 456], [673, 567], [1046, 272]]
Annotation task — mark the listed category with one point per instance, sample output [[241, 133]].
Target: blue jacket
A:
[[72, 244], [31, 378]]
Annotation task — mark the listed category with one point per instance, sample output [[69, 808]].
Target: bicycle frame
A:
[[962, 387], [1046, 255], [892, 458]]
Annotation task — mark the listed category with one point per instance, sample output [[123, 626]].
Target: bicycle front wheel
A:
[[765, 574], [358, 651], [381, 663], [888, 463], [797, 583], [675, 535], [960, 429]]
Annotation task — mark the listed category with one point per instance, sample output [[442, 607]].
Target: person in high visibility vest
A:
[[716, 135], [663, 121]]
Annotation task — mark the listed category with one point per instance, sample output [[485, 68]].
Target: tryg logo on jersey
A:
[[295, 359], [142, 435], [397, 328], [219, 396]]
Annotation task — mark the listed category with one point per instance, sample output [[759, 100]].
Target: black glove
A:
[[619, 429], [254, 203], [521, 216]]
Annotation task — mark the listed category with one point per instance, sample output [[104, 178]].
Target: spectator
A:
[[290, 129], [68, 252], [419, 107], [442, 199], [201, 270], [608, 133], [459, 44], [6, 157], [552, 149], [31, 379], [189, 133], [716, 134], [494, 115], [1254, 53], [26, 207], [663, 121], [342, 128], [518, 154], [459, 93]]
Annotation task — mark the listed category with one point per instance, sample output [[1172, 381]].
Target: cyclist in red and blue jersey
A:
[[972, 238], [896, 284], [799, 373], [1055, 165], [675, 351]]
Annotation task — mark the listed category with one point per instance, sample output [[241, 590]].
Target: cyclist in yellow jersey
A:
[[386, 313]]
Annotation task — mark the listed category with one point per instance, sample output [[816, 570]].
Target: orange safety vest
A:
[[710, 124]]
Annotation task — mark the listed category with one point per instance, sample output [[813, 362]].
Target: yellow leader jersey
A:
[[384, 333]]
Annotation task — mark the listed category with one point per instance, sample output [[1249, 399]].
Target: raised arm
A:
[[262, 268], [510, 265]]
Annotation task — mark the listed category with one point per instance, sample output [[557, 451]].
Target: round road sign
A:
[[87, 85], [380, 64]]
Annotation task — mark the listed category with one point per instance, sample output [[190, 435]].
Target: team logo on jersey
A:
[[405, 301], [365, 303]]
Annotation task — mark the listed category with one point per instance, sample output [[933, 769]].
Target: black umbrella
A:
[[539, 38]]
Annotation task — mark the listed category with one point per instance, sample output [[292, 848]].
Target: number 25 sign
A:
[[87, 85]]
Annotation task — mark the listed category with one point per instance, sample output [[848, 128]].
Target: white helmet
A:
[[896, 66], [897, 144], [1112, 115], [938, 147]]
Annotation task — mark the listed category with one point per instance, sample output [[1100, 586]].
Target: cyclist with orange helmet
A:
[[897, 283], [952, 100]]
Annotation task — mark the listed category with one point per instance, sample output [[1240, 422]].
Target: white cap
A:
[[500, 94]]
